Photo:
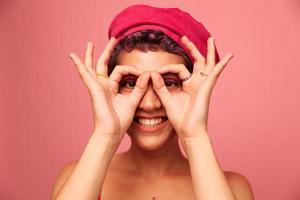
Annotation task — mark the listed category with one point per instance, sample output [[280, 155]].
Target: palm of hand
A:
[[188, 110], [112, 111], [185, 109], [125, 109]]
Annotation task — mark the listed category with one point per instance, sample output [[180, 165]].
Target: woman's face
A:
[[150, 128]]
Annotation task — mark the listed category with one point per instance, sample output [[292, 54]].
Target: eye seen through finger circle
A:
[[171, 80], [170, 83], [127, 83]]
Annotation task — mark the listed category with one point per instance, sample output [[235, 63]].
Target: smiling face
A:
[[150, 128]]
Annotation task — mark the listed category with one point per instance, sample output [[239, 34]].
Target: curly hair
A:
[[145, 40]]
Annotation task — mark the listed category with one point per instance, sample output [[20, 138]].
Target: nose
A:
[[150, 101]]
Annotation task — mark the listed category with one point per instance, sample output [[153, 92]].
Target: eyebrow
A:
[[170, 74]]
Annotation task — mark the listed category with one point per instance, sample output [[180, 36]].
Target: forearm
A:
[[209, 181], [86, 180]]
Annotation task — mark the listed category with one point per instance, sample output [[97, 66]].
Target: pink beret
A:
[[172, 21]]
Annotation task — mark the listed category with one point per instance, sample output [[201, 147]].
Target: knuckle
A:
[[119, 67], [127, 67], [124, 68], [168, 66], [182, 66], [100, 62]]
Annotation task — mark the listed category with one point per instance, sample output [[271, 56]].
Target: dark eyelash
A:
[[176, 82], [125, 81]]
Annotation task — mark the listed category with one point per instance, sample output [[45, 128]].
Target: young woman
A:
[[155, 88]]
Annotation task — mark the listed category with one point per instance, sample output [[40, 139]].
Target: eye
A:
[[128, 83], [170, 83]]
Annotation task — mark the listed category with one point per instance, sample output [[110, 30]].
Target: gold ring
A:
[[99, 74], [203, 74]]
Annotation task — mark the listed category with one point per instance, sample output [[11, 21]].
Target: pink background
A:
[[46, 116]]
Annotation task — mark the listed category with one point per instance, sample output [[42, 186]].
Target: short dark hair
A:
[[144, 40]]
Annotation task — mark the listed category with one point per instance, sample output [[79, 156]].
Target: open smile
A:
[[150, 125]]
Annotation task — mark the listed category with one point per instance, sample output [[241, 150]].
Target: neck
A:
[[164, 161]]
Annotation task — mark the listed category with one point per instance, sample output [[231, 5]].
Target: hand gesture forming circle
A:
[[187, 110], [113, 111]]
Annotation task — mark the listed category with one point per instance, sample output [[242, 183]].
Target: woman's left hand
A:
[[187, 110]]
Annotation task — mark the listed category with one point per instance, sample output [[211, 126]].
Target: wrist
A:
[[196, 138], [112, 139], [194, 135], [195, 141]]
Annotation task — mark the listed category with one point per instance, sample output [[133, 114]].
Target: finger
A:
[[140, 88], [83, 71], [123, 70], [179, 69], [102, 62], [220, 66], [198, 57], [160, 87], [89, 55], [210, 58]]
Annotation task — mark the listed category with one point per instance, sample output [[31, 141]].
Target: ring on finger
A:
[[99, 74], [203, 74]]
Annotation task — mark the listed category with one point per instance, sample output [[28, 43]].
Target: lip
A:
[[151, 129]]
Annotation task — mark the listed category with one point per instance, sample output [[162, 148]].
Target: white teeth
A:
[[150, 122]]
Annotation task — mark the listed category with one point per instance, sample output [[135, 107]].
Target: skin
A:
[[153, 158], [153, 167]]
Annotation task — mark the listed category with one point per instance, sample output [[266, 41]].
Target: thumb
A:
[[160, 87], [140, 88]]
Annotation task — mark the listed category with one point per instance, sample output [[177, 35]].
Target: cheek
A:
[[124, 92], [175, 90]]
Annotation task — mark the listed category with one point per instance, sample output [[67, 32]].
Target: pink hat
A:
[[172, 21]]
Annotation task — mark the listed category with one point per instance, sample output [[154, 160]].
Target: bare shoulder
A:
[[62, 177], [240, 185]]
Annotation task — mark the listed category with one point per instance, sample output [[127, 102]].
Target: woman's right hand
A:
[[113, 111]]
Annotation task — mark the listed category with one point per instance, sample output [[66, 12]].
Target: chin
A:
[[151, 140]]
